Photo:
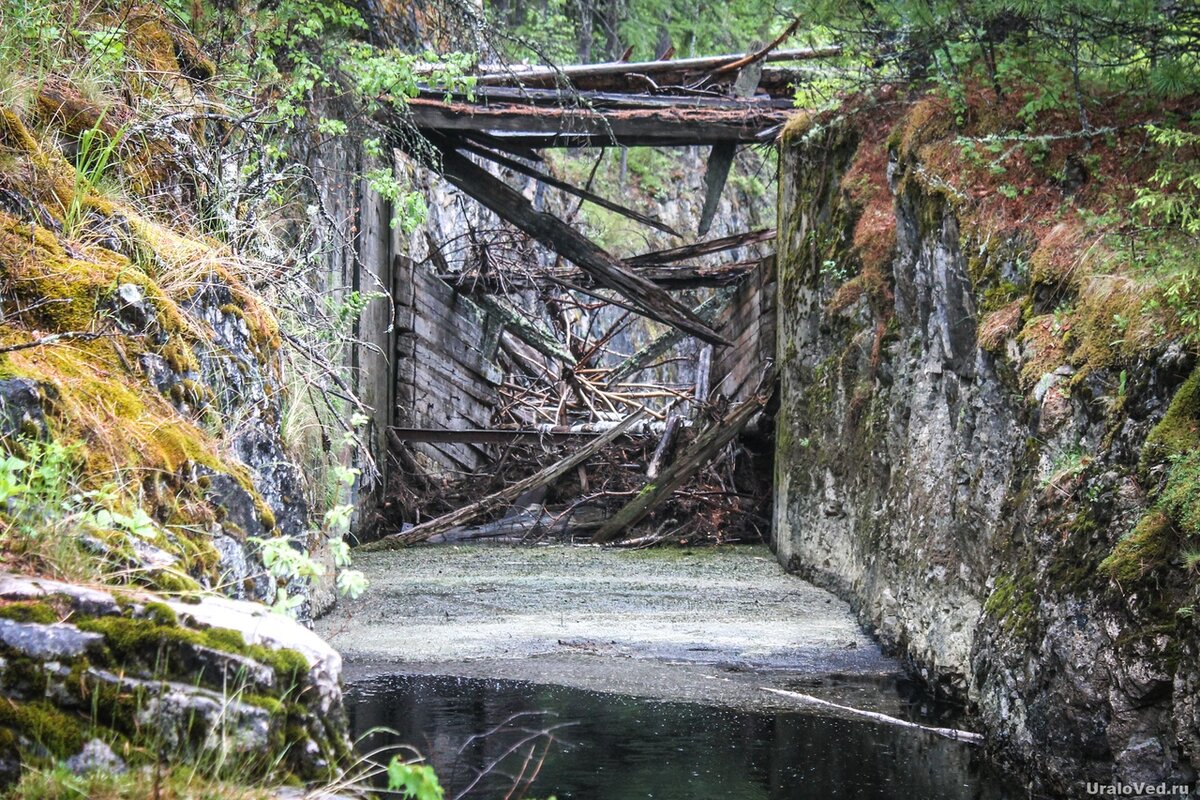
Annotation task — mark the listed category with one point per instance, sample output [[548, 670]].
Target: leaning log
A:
[[705, 448], [550, 180], [528, 332], [526, 524], [644, 358], [511, 206], [697, 249], [504, 497]]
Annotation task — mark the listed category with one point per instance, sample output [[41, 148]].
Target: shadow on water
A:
[[613, 746]]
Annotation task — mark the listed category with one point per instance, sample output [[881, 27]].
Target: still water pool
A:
[[614, 747]]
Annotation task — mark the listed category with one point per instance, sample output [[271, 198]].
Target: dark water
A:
[[614, 747]]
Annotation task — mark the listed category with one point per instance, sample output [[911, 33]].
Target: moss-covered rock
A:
[[152, 676]]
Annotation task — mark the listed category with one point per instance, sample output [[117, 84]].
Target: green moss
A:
[[60, 733], [1147, 548], [161, 614], [1178, 431], [1013, 603], [29, 611], [290, 666], [24, 677]]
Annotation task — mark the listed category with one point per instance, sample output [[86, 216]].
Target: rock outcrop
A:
[[966, 473], [109, 679]]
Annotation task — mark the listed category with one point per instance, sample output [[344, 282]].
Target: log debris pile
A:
[[684, 485]]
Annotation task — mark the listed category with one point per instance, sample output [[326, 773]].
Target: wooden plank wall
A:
[[443, 379], [750, 321]]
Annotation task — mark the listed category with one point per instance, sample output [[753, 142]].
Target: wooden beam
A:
[[600, 101], [510, 205], [680, 126], [703, 248], [720, 160], [685, 276], [489, 435]]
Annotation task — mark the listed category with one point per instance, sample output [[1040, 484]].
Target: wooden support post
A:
[[493, 502], [706, 447]]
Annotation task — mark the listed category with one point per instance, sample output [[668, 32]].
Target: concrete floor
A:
[[709, 625]]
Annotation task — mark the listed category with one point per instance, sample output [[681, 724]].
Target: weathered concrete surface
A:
[[601, 619]]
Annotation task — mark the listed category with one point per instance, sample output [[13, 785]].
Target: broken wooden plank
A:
[[494, 501], [704, 449], [678, 126], [511, 205], [720, 160], [550, 180], [533, 335], [666, 446], [642, 359]]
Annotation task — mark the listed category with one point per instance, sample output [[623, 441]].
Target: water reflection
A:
[[618, 747]]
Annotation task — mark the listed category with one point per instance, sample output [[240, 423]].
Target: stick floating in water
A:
[[950, 733]]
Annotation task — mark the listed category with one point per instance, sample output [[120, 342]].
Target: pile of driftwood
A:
[[641, 483]]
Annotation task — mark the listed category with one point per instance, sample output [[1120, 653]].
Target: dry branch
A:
[[948, 733]]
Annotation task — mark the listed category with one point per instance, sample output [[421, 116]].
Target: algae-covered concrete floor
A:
[[656, 622]]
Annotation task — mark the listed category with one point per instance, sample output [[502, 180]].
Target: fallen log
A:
[[704, 449], [949, 733], [494, 501], [523, 525], [511, 205]]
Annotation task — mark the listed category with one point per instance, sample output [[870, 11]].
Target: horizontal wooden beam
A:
[[600, 101], [567, 127], [506, 436]]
